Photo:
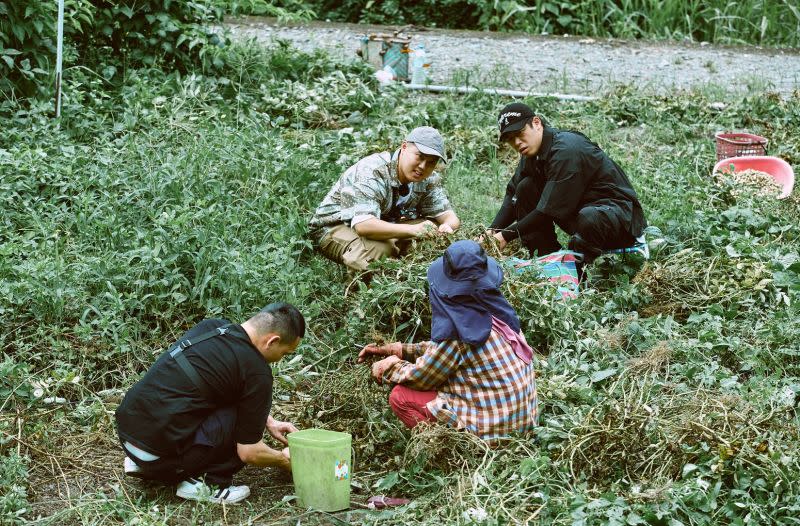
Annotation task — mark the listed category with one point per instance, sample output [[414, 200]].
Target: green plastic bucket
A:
[[321, 468]]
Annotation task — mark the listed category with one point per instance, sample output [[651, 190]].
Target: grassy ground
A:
[[668, 389]]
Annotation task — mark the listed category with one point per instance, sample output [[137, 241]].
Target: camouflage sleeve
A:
[[434, 202], [361, 198]]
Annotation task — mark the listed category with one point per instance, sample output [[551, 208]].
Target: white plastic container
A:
[[419, 65]]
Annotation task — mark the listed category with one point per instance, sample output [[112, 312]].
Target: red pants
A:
[[410, 405]]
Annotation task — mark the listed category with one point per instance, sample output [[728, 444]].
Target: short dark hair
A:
[[281, 318]]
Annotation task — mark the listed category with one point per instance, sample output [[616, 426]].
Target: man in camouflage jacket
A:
[[383, 201]]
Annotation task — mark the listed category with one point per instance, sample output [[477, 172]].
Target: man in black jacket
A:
[[198, 415], [563, 179]]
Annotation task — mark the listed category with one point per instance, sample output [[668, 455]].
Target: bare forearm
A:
[[380, 230], [412, 351], [261, 455], [450, 219]]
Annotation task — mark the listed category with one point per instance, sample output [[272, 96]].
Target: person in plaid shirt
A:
[[477, 373]]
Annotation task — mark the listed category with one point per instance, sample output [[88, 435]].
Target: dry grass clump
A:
[[689, 281], [653, 360], [648, 435], [749, 183], [436, 446], [616, 337], [346, 394], [396, 303], [348, 400]]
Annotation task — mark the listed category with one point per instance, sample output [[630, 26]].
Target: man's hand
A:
[[381, 366], [287, 464], [485, 237], [444, 228], [425, 229], [389, 349], [278, 430], [501, 241]]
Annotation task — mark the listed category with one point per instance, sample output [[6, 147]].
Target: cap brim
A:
[[511, 128], [438, 280], [427, 150]]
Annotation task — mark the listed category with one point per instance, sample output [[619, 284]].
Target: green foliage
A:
[[104, 35], [13, 493], [752, 22], [143, 33], [668, 390], [28, 39], [283, 10]]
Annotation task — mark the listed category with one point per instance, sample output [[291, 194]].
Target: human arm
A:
[[505, 216], [565, 181], [381, 230], [406, 351], [434, 203], [427, 372], [533, 221], [278, 429], [261, 455], [448, 222]]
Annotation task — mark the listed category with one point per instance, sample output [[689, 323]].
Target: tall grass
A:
[[753, 22], [720, 21]]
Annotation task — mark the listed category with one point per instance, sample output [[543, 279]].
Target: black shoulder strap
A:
[[187, 368]]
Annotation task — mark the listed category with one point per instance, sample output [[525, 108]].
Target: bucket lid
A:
[[319, 438]]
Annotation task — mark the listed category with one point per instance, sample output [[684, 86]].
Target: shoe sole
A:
[[193, 496]]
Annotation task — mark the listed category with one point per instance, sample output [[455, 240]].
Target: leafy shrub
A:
[[749, 22], [28, 39], [143, 33], [102, 32], [283, 10], [13, 493]]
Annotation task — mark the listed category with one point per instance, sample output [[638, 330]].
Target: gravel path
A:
[[582, 66]]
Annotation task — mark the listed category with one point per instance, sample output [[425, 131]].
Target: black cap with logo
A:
[[513, 118]]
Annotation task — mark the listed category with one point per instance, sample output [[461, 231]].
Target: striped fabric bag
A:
[[558, 267]]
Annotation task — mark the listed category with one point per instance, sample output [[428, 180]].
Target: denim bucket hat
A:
[[464, 270]]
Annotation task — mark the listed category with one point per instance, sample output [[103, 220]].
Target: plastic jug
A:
[[321, 468], [418, 64]]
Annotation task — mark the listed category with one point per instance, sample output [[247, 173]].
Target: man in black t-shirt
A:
[[563, 179], [198, 415]]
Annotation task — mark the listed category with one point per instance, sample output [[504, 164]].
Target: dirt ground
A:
[[61, 484], [565, 64]]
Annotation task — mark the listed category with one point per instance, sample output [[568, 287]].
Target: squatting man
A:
[[383, 201], [198, 415]]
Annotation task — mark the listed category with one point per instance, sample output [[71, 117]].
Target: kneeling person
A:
[[198, 415], [383, 201], [563, 179], [477, 372]]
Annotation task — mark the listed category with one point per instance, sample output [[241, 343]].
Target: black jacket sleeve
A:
[[566, 182], [529, 223], [506, 215]]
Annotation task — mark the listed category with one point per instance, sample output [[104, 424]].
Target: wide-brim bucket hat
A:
[[463, 270]]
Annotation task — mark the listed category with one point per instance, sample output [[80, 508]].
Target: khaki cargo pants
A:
[[343, 245]]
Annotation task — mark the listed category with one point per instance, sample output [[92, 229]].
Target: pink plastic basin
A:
[[779, 169]]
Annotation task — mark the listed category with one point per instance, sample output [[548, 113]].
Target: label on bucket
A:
[[340, 470]]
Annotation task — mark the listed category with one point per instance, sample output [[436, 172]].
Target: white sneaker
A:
[[194, 489], [131, 469]]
